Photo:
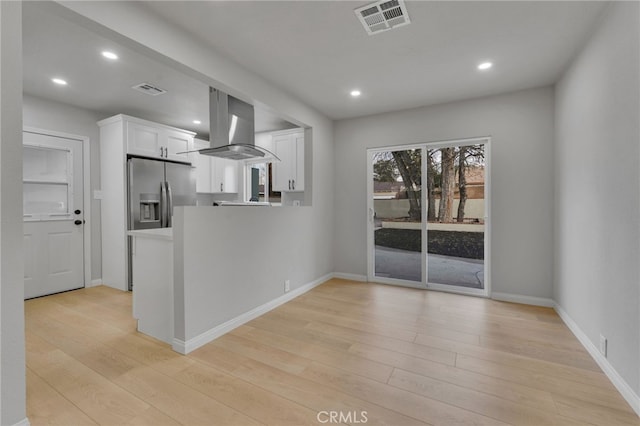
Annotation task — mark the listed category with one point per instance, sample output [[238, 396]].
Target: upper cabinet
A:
[[178, 142], [157, 141], [288, 173], [213, 174], [202, 163]]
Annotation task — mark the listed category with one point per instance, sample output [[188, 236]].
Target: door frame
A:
[[423, 284], [86, 192]]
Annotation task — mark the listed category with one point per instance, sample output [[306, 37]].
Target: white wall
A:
[[49, 115], [597, 191], [12, 365], [521, 127]]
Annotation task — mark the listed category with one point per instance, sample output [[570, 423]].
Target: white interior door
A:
[[53, 216]]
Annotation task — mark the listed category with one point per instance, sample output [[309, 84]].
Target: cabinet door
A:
[[282, 169], [202, 164], [145, 140], [298, 166], [225, 175], [178, 142], [203, 173]]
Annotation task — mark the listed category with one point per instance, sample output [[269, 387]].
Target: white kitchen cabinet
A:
[[202, 164], [214, 174], [177, 141], [225, 175], [288, 173], [120, 136], [152, 268], [150, 140]]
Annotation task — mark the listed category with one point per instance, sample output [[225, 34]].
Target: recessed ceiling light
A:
[[109, 55], [355, 93], [485, 66], [59, 81], [197, 122]]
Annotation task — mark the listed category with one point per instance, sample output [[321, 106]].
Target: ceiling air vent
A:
[[383, 15], [149, 89]]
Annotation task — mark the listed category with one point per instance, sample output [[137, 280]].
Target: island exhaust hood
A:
[[232, 133]]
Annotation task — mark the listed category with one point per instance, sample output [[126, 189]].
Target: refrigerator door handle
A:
[[163, 206], [130, 220], [169, 205]]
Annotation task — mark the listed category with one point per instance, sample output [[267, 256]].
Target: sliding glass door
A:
[[428, 212], [396, 212]]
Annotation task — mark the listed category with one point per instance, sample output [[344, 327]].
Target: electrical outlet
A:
[[287, 285], [603, 345]]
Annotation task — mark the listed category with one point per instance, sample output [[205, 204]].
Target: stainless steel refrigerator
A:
[[154, 188]]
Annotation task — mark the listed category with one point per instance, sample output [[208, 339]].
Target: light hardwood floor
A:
[[374, 353]]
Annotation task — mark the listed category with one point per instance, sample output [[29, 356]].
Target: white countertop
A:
[[157, 233]]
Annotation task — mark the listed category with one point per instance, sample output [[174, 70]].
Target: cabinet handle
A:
[[161, 152], [289, 183], [221, 187], [166, 152], [293, 184]]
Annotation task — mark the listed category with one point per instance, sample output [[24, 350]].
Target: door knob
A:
[[77, 222], [77, 212]]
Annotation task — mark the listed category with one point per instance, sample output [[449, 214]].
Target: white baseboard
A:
[[525, 300], [351, 277], [94, 283], [623, 387], [23, 422], [202, 339]]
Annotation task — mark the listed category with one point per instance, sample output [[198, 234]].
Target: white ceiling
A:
[[317, 51], [56, 47]]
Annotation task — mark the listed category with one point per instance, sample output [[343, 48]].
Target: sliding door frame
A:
[[423, 284]]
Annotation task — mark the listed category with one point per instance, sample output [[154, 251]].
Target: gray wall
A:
[[237, 258], [49, 115], [12, 349], [597, 190], [521, 127]]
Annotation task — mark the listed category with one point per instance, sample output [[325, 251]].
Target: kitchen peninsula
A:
[[219, 267]]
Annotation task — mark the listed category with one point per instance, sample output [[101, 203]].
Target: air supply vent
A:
[[383, 15], [149, 89]]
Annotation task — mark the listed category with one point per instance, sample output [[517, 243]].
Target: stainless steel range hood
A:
[[232, 132]]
